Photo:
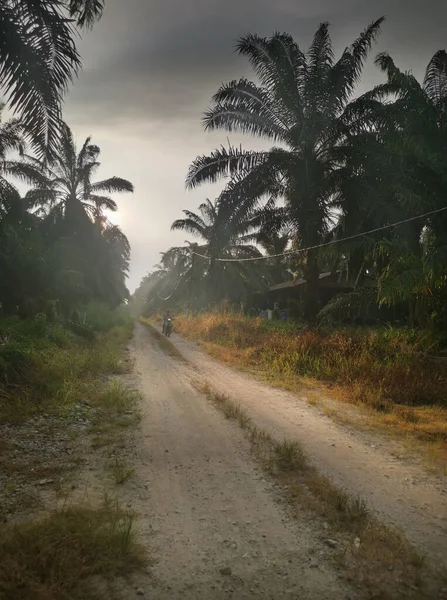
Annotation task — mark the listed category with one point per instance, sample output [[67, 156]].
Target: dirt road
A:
[[214, 526], [399, 489]]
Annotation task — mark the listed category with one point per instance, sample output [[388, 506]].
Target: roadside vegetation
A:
[[56, 558], [398, 375], [63, 405], [66, 407]]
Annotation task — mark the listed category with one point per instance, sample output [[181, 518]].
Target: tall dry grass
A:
[[391, 371]]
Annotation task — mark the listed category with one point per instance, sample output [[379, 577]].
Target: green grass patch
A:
[[118, 398], [120, 471], [43, 365]]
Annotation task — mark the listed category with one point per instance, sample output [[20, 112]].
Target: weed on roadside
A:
[[117, 398], [120, 471], [390, 374], [55, 558]]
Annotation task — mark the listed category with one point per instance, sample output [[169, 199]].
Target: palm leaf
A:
[[435, 81], [86, 12], [221, 163], [242, 106], [111, 185]]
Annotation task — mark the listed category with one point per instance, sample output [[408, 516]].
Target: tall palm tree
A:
[[69, 194], [38, 59], [301, 103]]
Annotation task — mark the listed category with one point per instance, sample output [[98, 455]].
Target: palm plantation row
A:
[[57, 248], [338, 165]]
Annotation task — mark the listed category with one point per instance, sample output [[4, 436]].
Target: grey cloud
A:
[[163, 60]]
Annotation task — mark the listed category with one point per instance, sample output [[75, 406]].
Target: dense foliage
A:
[[339, 166], [58, 251], [38, 59], [57, 247]]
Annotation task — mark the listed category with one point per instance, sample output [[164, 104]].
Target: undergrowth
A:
[[397, 373], [56, 558], [44, 364]]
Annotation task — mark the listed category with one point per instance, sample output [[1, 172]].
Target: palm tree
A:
[[413, 121], [38, 59], [12, 142], [222, 238], [275, 245], [69, 195], [302, 104]]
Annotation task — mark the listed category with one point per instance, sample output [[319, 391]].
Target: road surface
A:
[[215, 528]]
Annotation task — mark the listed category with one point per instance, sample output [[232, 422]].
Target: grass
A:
[[391, 373], [121, 472], [117, 398], [116, 409], [47, 371], [56, 558], [56, 371], [373, 555]]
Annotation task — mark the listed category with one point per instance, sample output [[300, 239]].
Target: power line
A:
[[325, 244], [170, 295]]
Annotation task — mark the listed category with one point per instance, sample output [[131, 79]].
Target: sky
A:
[[150, 68]]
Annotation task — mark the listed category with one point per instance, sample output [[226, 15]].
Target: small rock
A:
[[140, 592], [226, 571], [45, 481], [331, 543], [357, 542]]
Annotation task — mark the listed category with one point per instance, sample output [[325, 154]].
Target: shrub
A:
[[379, 366], [100, 317]]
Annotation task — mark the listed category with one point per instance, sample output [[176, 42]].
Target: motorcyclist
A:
[[166, 317]]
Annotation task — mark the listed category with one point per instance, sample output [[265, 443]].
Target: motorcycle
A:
[[168, 328]]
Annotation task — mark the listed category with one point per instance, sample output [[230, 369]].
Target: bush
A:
[[378, 366], [100, 317], [44, 362], [20, 339]]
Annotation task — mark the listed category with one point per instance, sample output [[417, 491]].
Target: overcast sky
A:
[[151, 66]]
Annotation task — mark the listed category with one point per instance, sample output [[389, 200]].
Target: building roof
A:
[[295, 283], [369, 282]]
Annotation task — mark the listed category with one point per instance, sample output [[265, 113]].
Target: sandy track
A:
[[217, 530], [399, 490]]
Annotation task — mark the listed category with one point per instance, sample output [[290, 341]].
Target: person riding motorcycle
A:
[[166, 317]]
